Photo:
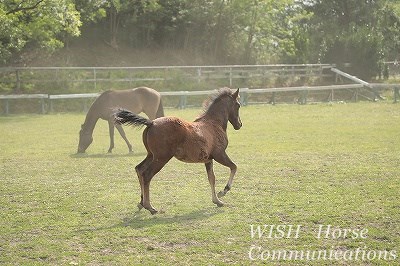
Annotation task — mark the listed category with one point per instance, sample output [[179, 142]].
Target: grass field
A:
[[307, 166]]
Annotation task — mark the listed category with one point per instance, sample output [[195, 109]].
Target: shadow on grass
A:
[[142, 219], [106, 155]]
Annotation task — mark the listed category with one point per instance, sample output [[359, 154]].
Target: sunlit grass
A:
[[303, 165]]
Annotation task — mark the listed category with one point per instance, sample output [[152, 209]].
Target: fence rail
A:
[[16, 77], [245, 92], [231, 72]]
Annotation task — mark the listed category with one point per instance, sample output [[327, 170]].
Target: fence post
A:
[[303, 97], [182, 101], [199, 74], [51, 105], [43, 106], [18, 81], [6, 109], [230, 77], [355, 95], [272, 100], [94, 79], [243, 98]]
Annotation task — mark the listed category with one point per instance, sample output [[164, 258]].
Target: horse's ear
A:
[[236, 94]]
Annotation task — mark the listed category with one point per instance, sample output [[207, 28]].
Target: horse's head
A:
[[233, 116], [85, 139]]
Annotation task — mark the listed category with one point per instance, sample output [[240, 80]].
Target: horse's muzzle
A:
[[237, 126]]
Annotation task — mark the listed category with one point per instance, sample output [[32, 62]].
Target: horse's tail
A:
[[160, 110], [125, 117]]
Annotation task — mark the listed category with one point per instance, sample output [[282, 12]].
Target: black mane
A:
[[221, 93]]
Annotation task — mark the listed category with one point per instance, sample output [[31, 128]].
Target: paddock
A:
[[303, 165]]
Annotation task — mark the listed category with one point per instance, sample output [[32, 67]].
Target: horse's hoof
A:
[[140, 206], [153, 211], [221, 194], [219, 203]]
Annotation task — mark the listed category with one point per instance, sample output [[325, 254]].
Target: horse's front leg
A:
[[211, 179], [122, 133], [111, 131], [226, 161]]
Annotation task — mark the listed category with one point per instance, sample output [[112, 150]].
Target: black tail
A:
[[125, 117], [160, 111]]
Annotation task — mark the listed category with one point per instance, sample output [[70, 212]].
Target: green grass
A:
[[330, 164]]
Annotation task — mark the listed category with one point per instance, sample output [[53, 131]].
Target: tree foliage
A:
[[354, 31], [361, 32], [36, 24]]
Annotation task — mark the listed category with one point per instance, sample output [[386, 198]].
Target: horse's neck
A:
[[219, 117], [90, 121]]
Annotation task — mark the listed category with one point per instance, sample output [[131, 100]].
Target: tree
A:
[[353, 31], [37, 24]]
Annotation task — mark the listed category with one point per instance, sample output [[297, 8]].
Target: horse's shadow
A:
[[106, 155], [141, 219]]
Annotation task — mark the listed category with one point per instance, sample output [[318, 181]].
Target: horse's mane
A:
[[222, 92]]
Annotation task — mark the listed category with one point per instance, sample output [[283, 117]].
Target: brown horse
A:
[[201, 141], [137, 100]]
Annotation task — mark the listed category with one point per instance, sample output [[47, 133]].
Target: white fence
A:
[[183, 95], [231, 70], [96, 75]]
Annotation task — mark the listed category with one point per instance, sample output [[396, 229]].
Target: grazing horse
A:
[[137, 100], [201, 141]]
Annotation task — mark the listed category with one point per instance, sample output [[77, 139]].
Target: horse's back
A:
[[172, 136], [142, 93], [136, 100]]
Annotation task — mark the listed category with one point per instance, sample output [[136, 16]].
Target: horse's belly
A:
[[192, 154]]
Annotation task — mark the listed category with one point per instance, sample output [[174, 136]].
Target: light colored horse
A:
[[136, 100]]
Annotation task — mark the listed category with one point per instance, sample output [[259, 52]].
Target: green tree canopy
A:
[[36, 24], [361, 32]]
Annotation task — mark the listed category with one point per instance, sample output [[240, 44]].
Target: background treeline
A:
[[364, 33]]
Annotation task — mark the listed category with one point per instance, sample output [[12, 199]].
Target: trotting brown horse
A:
[[137, 100], [201, 141]]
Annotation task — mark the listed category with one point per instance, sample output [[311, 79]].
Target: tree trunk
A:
[[250, 36], [114, 21], [218, 31]]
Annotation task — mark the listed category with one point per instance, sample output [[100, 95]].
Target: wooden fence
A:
[[183, 95], [16, 77], [48, 100]]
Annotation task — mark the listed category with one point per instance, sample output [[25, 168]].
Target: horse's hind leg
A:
[[122, 133], [141, 167], [139, 170], [226, 161], [111, 131], [153, 168], [211, 179]]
